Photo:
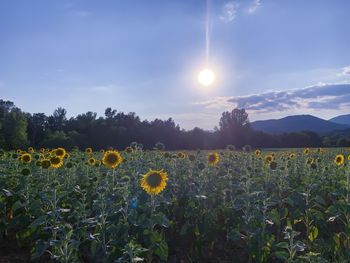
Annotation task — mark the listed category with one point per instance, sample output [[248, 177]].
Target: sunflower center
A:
[[26, 158], [59, 152], [212, 158], [154, 179], [112, 158], [55, 160]]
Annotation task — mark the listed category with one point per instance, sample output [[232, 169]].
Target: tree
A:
[[14, 129], [234, 127], [57, 120], [37, 127]]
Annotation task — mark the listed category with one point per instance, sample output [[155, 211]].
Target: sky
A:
[[274, 58]]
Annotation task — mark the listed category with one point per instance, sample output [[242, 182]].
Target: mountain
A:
[[341, 119], [298, 123]]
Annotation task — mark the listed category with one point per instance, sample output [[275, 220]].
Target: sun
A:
[[206, 77]]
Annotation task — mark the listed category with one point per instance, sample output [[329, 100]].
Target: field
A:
[[157, 206]]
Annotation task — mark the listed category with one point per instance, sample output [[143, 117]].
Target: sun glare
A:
[[206, 77]]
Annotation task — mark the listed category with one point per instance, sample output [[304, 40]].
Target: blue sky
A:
[[275, 58]]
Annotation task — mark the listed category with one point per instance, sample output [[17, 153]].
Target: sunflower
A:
[[292, 156], [339, 159], [26, 158], [181, 155], [154, 181], [91, 161], [306, 151], [213, 158], [310, 160], [56, 162], [46, 163], [30, 149], [269, 158], [257, 152], [88, 150], [60, 152], [112, 159], [349, 157]]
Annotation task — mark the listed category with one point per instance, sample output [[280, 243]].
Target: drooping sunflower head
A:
[[306, 151], [91, 161], [181, 155], [112, 159], [88, 150], [213, 158], [257, 152], [154, 181], [339, 159], [56, 162], [26, 158], [60, 152]]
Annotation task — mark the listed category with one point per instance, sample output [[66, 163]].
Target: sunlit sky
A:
[[272, 57]]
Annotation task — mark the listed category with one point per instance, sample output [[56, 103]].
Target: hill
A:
[[341, 119], [298, 123]]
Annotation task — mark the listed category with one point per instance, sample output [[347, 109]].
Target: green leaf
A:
[[282, 245], [282, 255]]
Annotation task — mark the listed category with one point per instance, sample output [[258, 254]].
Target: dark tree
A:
[[234, 127]]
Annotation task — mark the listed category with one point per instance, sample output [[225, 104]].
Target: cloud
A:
[[317, 97], [254, 6], [229, 11], [345, 72]]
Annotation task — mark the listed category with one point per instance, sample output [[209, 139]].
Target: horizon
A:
[[273, 59]]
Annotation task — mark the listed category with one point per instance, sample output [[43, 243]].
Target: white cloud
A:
[[320, 97], [254, 6], [345, 72], [229, 11]]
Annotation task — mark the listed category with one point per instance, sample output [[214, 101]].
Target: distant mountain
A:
[[298, 123], [341, 119]]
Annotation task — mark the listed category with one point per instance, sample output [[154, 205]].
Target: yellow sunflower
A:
[[306, 151], [26, 158], [56, 162], [349, 157], [269, 158], [60, 152], [181, 155], [339, 159], [45, 163], [88, 150], [154, 181], [213, 158], [292, 156], [30, 149], [257, 152], [112, 159], [91, 161]]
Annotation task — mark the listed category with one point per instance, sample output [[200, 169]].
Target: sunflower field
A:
[[156, 206]]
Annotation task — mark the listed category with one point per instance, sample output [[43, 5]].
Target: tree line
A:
[[115, 129]]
